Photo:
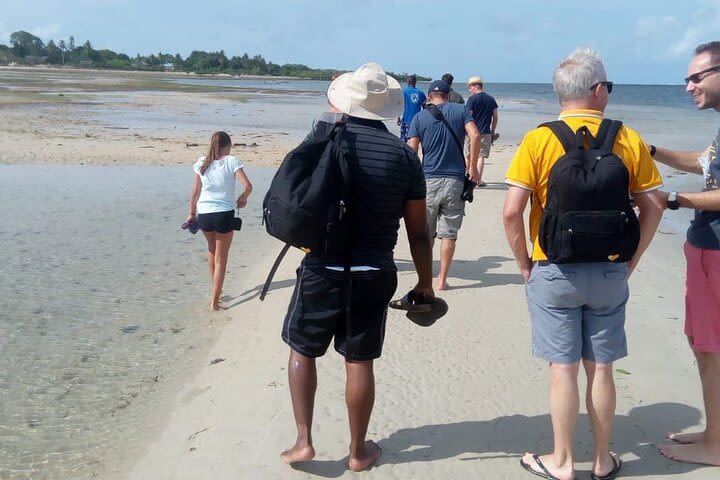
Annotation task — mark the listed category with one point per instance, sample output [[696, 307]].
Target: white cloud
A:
[[675, 38], [650, 26]]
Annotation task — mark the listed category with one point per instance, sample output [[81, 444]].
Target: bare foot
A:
[[442, 285], [692, 453], [372, 453], [298, 453], [685, 437], [544, 465], [215, 305]]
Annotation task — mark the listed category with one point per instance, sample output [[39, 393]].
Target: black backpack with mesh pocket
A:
[[587, 216]]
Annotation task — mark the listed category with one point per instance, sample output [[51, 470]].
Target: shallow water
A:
[[102, 302]]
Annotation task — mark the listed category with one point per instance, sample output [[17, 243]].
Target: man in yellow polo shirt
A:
[[577, 310]]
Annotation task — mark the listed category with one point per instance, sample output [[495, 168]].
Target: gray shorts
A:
[[577, 311], [485, 142], [445, 207]]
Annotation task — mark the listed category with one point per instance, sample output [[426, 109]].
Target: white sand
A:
[[461, 399]]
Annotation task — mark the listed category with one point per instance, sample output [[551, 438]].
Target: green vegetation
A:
[[27, 49]]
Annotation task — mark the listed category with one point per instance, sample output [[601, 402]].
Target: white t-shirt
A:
[[218, 184]]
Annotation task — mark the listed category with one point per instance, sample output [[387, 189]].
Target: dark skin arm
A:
[[420, 246]]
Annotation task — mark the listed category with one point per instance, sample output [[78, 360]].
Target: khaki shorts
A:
[[485, 142], [445, 207]]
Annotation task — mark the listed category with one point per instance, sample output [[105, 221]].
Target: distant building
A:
[[168, 67]]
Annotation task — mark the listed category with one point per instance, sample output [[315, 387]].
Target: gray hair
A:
[[579, 71]]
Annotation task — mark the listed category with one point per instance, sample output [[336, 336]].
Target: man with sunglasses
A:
[[702, 252], [577, 310]]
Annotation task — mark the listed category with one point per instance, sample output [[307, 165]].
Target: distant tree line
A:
[[27, 49]]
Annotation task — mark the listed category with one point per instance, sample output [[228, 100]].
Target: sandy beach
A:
[[463, 398]]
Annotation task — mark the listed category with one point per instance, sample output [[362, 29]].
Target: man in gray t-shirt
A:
[[444, 166], [702, 255], [453, 96]]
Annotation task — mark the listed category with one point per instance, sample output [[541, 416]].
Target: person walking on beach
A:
[[453, 96], [702, 254], [484, 110], [213, 203], [414, 101], [388, 185], [444, 167], [577, 309]]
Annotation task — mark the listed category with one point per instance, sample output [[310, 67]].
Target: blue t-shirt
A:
[[442, 157], [414, 100], [482, 105], [704, 231]]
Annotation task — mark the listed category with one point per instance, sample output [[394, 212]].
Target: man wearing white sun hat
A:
[[387, 184]]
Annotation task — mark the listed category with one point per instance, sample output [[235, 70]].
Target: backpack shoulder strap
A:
[[435, 112], [601, 133], [564, 133], [337, 134], [611, 131], [274, 268]]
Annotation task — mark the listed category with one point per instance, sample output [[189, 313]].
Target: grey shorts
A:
[[485, 142], [577, 311], [445, 207]]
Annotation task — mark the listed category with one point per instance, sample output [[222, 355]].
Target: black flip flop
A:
[[422, 311], [617, 465], [545, 473], [411, 303]]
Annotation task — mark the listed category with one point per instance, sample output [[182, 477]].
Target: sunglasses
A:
[[697, 77], [609, 86]]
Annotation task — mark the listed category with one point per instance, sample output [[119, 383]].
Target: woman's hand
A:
[[241, 201], [191, 217]]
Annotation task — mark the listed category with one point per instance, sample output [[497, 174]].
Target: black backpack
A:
[[306, 205], [587, 215]]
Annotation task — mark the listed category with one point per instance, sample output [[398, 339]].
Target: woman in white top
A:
[[213, 203]]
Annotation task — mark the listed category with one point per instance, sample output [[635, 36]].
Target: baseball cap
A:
[[439, 86]]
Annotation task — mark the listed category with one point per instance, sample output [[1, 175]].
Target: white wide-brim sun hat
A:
[[368, 92]]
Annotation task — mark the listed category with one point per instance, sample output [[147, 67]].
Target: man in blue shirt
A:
[[484, 110], [444, 166], [414, 101]]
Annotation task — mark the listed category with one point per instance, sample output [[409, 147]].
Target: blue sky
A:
[[641, 41]]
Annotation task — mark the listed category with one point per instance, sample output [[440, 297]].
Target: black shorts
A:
[[317, 312], [220, 222]]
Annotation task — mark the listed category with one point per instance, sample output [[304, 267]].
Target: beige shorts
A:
[[485, 142], [445, 207]]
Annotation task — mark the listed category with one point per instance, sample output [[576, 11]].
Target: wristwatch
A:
[[672, 201]]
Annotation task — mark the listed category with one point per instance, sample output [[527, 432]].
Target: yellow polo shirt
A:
[[540, 149]]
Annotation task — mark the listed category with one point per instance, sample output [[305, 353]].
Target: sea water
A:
[[103, 301], [662, 114]]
